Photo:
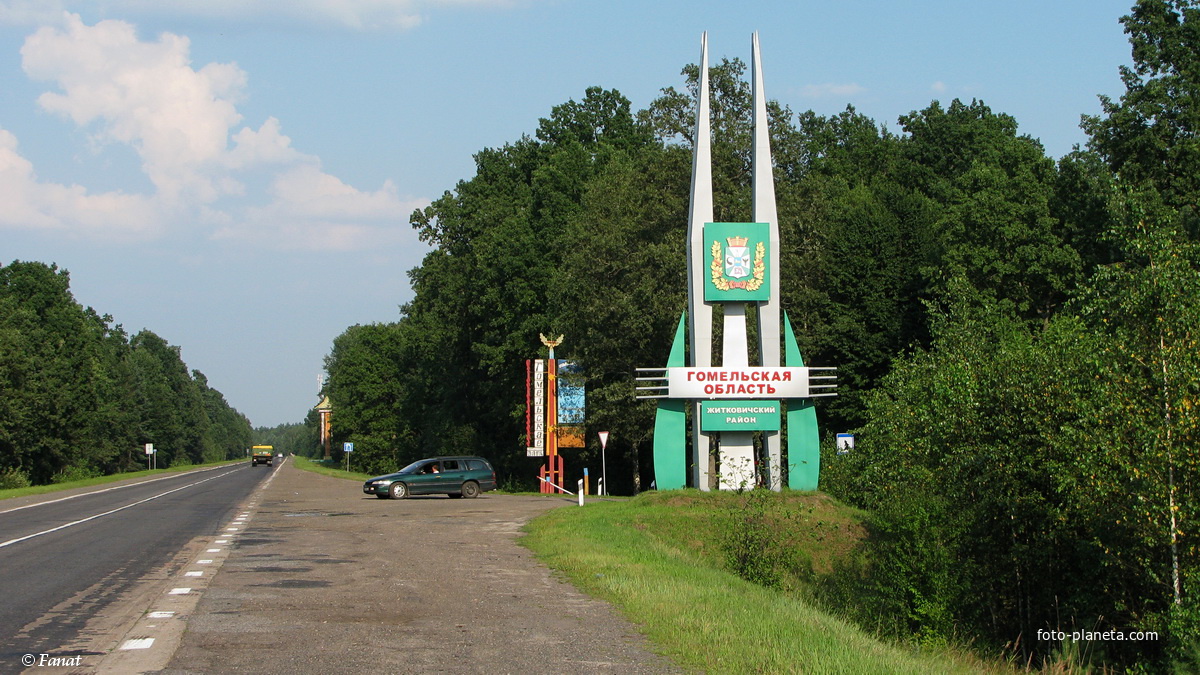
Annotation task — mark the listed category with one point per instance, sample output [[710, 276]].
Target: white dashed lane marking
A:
[[168, 623], [138, 643]]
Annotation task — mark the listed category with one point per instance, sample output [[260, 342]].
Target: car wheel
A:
[[398, 491], [470, 489]]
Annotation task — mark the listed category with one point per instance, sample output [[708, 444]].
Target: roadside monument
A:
[[730, 267]]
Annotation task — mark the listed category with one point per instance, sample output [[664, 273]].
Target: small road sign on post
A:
[[603, 464]]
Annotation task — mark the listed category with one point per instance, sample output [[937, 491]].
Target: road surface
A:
[[73, 562]]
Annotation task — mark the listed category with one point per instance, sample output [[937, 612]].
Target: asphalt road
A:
[[72, 564], [261, 570], [324, 579]]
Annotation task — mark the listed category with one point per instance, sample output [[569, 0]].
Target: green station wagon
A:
[[454, 476]]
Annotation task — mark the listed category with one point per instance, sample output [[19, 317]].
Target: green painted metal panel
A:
[[739, 416], [803, 437], [737, 258], [670, 425]]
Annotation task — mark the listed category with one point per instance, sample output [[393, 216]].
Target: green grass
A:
[[102, 480], [660, 559], [319, 466]]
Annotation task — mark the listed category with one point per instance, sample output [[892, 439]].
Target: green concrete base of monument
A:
[[803, 437], [670, 426], [804, 446]]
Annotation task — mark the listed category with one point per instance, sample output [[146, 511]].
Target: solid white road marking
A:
[[106, 513], [118, 487]]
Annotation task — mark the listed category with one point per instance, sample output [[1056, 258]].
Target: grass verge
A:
[[662, 558], [319, 466]]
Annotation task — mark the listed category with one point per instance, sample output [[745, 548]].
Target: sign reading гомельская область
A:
[[745, 382], [739, 416]]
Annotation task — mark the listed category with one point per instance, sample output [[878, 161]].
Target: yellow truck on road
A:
[[262, 454]]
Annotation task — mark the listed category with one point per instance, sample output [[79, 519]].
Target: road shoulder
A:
[[325, 579]]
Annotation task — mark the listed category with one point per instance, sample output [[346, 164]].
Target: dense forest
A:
[[290, 439], [80, 398], [1016, 335]]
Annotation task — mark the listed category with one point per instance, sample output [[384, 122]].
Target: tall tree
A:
[[229, 430], [78, 395], [995, 228], [375, 382], [855, 244], [620, 290], [1148, 307], [1151, 137], [486, 291], [1084, 191], [170, 404], [57, 361]]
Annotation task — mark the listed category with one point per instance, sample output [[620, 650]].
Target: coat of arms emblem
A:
[[737, 258], [736, 269]]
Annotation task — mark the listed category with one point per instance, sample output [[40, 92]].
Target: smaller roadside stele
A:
[[459, 476], [262, 454]]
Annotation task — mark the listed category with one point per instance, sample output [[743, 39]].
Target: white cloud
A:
[[183, 123], [938, 87], [829, 90], [265, 146], [29, 204], [315, 211], [387, 15], [144, 94]]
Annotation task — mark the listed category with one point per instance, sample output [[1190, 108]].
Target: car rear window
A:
[[449, 465], [476, 465]]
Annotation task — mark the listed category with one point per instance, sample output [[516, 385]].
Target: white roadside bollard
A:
[[580, 493]]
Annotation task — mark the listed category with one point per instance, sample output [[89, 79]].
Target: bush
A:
[[71, 474], [749, 542], [12, 479], [1183, 646]]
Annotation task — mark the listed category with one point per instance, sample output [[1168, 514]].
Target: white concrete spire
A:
[[700, 211], [770, 343]]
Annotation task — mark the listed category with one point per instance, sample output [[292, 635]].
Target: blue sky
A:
[[237, 175]]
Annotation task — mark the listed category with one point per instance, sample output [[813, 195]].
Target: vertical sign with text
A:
[[537, 445]]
